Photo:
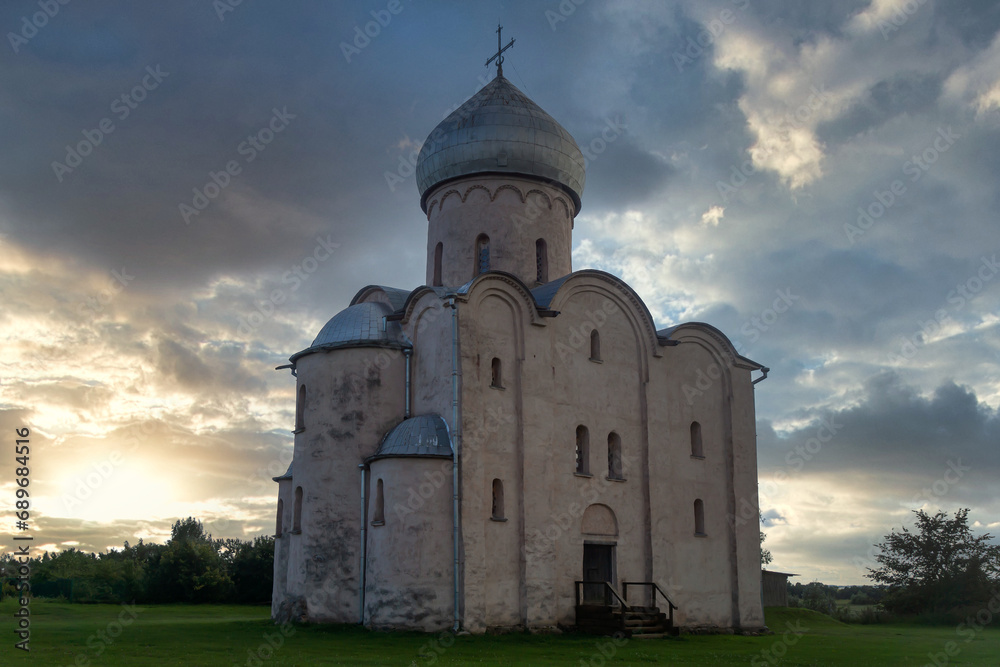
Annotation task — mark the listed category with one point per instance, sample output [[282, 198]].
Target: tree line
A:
[[191, 567], [939, 571]]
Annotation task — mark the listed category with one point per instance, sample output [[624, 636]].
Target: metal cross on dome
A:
[[497, 56]]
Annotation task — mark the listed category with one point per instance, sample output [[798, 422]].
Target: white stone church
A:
[[468, 452]]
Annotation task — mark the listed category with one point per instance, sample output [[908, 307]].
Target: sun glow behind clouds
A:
[[132, 489]]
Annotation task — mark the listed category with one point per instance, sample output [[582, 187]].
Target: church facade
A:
[[467, 451]]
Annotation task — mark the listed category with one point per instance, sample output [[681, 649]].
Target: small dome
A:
[[426, 435], [359, 325], [500, 130]]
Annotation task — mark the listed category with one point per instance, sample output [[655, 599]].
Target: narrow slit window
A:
[[482, 254], [379, 516], [614, 456], [582, 450], [541, 261], [277, 521], [297, 510], [699, 517], [496, 373], [696, 446], [498, 510], [438, 253], [595, 345], [300, 409]]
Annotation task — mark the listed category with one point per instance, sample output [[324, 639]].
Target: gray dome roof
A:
[[426, 435], [500, 130], [359, 325]]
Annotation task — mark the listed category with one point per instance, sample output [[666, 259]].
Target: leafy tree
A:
[[938, 567], [765, 554], [251, 566], [190, 568], [819, 597]]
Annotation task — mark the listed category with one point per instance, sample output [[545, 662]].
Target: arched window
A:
[[482, 254], [696, 449], [582, 450], [699, 518], [614, 456], [595, 345], [438, 252], [277, 522], [379, 516], [300, 409], [495, 373], [541, 261], [498, 511], [297, 511]]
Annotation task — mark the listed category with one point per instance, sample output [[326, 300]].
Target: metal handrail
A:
[[607, 586], [655, 588]]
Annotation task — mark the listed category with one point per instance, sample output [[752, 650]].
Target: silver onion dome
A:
[[500, 130]]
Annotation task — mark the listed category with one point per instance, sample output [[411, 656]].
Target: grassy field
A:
[[65, 634]]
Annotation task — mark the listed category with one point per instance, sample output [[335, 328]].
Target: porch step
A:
[[638, 622]]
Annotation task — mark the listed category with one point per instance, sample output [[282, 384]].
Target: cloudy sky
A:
[[189, 190]]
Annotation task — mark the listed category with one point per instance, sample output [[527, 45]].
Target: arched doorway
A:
[[600, 537]]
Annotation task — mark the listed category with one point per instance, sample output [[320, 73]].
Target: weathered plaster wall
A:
[[698, 569], [565, 389], [458, 212], [279, 589], [408, 581], [491, 449], [355, 396]]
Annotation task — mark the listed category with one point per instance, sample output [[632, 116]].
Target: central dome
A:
[[499, 130]]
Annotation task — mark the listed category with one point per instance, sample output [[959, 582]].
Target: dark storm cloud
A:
[[624, 174], [895, 428], [976, 21], [210, 307], [909, 92]]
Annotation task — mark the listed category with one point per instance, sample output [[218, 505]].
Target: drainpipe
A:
[[764, 370], [408, 353], [456, 431], [364, 507]]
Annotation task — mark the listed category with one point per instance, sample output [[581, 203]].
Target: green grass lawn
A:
[[73, 634]]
